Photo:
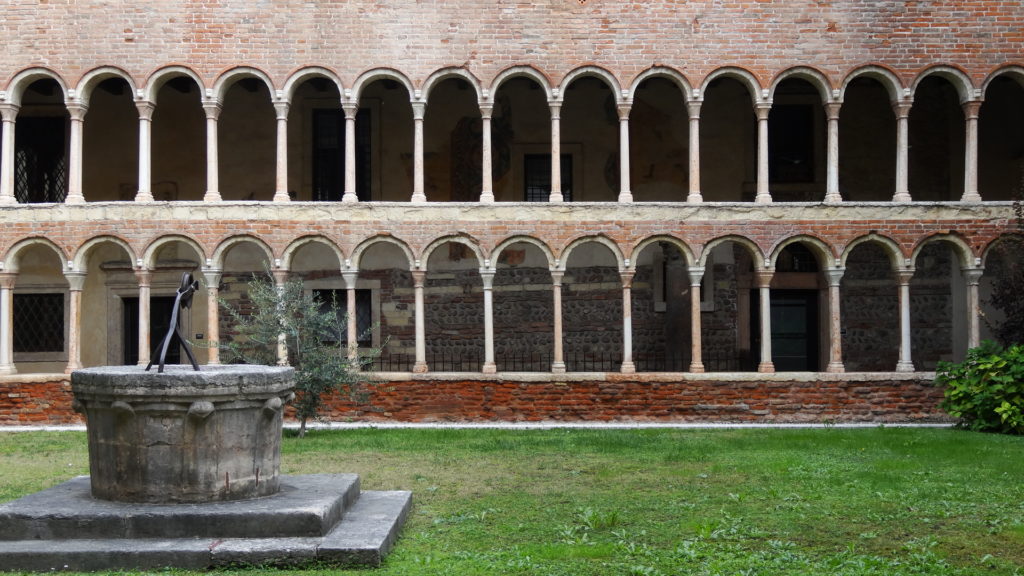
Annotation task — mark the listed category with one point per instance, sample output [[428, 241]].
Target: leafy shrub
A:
[[986, 390]]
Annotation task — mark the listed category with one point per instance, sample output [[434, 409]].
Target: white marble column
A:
[[902, 110], [7, 281], [696, 360], [418, 110], [971, 193], [9, 113], [487, 276], [627, 322], [280, 279], [77, 111], [835, 336], [351, 314], [143, 278], [145, 191], [212, 277], [763, 194], [76, 281], [693, 108], [764, 282], [350, 153], [971, 278], [487, 184], [281, 179], [905, 363], [212, 110], [832, 194], [556, 153], [625, 195], [558, 362], [419, 277]]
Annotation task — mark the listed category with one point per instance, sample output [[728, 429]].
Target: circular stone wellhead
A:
[[183, 436]]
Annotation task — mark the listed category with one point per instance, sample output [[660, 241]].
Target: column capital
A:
[[556, 277], [627, 278], [903, 275], [486, 109], [212, 109], [419, 109], [623, 109], [693, 109], [696, 274], [762, 109], [556, 109], [281, 109], [902, 108], [146, 109], [280, 276], [9, 111], [487, 276], [212, 277], [971, 109], [350, 110], [143, 276], [832, 110], [419, 277], [972, 275], [350, 277], [764, 277], [8, 280], [77, 110], [835, 275], [76, 280]]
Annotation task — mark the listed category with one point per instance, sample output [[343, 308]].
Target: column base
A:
[[625, 196], [74, 199], [833, 198], [768, 367], [694, 198], [419, 198], [212, 196], [419, 368], [487, 197], [558, 367], [763, 198], [349, 197], [5, 370], [555, 197], [628, 367], [904, 366], [971, 197], [901, 197], [72, 367], [280, 196], [8, 200], [489, 368], [835, 367], [144, 196], [697, 367]]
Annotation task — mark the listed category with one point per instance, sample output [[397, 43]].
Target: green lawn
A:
[[882, 501]]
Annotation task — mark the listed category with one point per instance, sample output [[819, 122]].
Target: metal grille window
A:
[[537, 177], [40, 173], [364, 311], [38, 322]]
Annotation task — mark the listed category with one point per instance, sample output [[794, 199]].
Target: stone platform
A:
[[318, 518]]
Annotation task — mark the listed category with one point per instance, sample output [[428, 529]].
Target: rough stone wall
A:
[[523, 317], [931, 307], [869, 307], [486, 36], [592, 318], [454, 316]]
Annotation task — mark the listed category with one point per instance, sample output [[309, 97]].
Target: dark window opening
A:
[[38, 322], [796, 258], [160, 310], [791, 143], [537, 177], [40, 171], [329, 155], [364, 312]]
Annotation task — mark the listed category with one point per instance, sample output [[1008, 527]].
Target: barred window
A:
[[364, 310], [38, 322]]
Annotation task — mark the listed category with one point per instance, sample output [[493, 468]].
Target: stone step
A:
[[307, 505], [363, 537]]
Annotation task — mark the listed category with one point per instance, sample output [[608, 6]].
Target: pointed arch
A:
[[596, 238], [92, 78], [228, 78], [149, 255], [464, 239], [888, 245], [745, 77], [357, 253], [451, 72], [757, 255], [961, 248], [79, 260], [161, 76], [295, 245], [683, 247], [670, 74], [957, 77], [591, 71], [307, 73], [811, 75], [22, 80], [11, 262], [884, 76], [511, 240], [521, 71], [370, 76], [817, 245]]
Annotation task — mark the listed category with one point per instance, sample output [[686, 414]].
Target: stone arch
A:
[[887, 78], [22, 80], [303, 74], [149, 255], [592, 71], [357, 253], [813, 76], [291, 249], [757, 93], [544, 248], [994, 244], [891, 248], [962, 250], [818, 246], [161, 76], [957, 77], [597, 238], [228, 78], [670, 74], [1013, 71], [11, 259], [755, 251], [451, 72], [521, 71], [468, 241], [370, 76], [81, 256], [683, 247], [230, 242], [93, 78]]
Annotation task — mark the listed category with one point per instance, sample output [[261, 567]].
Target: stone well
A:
[[183, 436]]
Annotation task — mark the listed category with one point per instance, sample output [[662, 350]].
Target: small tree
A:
[[1008, 282], [312, 332]]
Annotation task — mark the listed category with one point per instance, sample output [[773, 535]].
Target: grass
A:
[[834, 501]]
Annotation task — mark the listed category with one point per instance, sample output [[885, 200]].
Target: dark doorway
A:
[[160, 308], [795, 330], [329, 155]]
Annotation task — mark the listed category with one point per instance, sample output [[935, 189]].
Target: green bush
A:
[[986, 390]]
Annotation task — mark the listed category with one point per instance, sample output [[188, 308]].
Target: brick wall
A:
[[36, 400]]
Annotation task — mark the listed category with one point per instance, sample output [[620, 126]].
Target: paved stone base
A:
[[321, 518]]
